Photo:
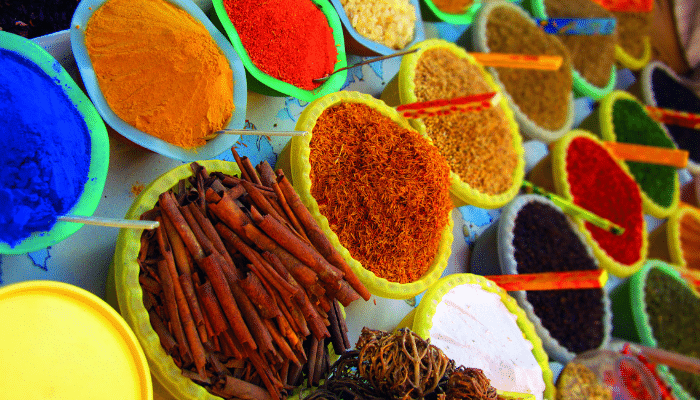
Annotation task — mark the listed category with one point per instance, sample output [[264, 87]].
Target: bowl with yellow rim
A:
[[677, 240], [402, 90], [294, 161]]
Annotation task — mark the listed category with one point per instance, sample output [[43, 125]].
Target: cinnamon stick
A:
[[170, 208], [259, 296], [171, 309], [241, 166], [208, 228], [268, 177], [281, 342], [199, 234], [182, 258], [259, 200], [193, 303], [166, 339], [227, 386]]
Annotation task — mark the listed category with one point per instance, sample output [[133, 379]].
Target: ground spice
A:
[[632, 27], [544, 96], [592, 55], [578, 382], [669, 93], [160, 70], [477, 145], [383, 188], [674, 312], [599, 185], [290, 40], [453, 6], [545, 242], [389, 22], [690, 240], [633, 125]]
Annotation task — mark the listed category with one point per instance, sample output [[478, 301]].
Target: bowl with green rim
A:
[[582, 88], [420, 320], [632, 322], [87, 202], [402, 90], [263, 83], [123, 285], [294, 161], [601, 122]]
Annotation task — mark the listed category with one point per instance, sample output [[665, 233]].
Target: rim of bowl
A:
[[332, 84], [212, 148], [561, 183], [425, 311], [87, 202], [300, 174], [528, 127], [633, 63], [460, 189], [129, 292], [673, 233]]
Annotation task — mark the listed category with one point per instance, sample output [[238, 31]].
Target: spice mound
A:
[[389, 22], [543, 96], [599, 185], [591, 55], [383, 188], [544, 241], [477, 145], [689, 231], [674, 315], [632, 124], [160, 70], [46, 149], [578, 382], [245, 303], [290, 40]]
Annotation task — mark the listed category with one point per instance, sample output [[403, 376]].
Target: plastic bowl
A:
[[666, 242], [420, 320], [125, 274], [475, 39], [631, 320], [87, 203], [401, 90], [494, 254], [355, 43], [601, 123], [212, 148], [582, 88], [263, 83], [294, 160]]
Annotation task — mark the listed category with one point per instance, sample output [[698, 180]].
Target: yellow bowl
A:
[[633, 63], [420, 320], [401, 90], [294, 160], [666, 242], [168, 380]]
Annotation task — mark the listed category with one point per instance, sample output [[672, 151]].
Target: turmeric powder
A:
[[160, 70]]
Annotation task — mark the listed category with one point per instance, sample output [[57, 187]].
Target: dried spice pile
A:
[[578, 382], [632, 27], [241, 285], [690, 240], [383, 188], [544, 96], [477, 145], [544, 241], [633, 125], [669, 93], [599, 185], [36, 18], [674, 316], [592, 55]]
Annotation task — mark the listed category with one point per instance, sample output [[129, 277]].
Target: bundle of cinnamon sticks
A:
[[241, 284]]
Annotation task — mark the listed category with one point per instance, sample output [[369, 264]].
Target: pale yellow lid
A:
[[58, 341]]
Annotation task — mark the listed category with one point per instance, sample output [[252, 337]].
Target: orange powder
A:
[[160, 70]]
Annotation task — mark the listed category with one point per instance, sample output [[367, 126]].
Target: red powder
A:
[[287, 39], [599, 185]]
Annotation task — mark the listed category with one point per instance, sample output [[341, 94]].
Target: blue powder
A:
[[44, 149]]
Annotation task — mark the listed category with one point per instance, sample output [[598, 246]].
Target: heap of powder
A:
[[543, 96], [46, 149], [160, 70], [592, 55], [383, 188], [477, 145], [389, 22], [290, 40], [544, 241]]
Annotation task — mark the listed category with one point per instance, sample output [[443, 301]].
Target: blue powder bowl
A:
[[87, 202]]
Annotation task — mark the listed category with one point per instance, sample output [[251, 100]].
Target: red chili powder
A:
[[599, 185], [287, 39]]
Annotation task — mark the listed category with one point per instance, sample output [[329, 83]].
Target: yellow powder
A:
[[160, 70]]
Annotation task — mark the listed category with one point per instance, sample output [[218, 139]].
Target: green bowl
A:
[[88, 201], [260, 82]]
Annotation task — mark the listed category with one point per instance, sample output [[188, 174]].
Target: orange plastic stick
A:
[[649, 154], [550, 63], [627, 5], [432, 108], [552, 280], [673, 117]]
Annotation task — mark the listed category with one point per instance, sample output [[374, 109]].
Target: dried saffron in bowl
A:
[[383, 188], [598, 184]]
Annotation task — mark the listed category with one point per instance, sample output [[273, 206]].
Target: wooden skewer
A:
[[110, 222], [665, 357], [367, 61], [649, 154], [591, 279], [672, 117], [550, 63], [255, 132]]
